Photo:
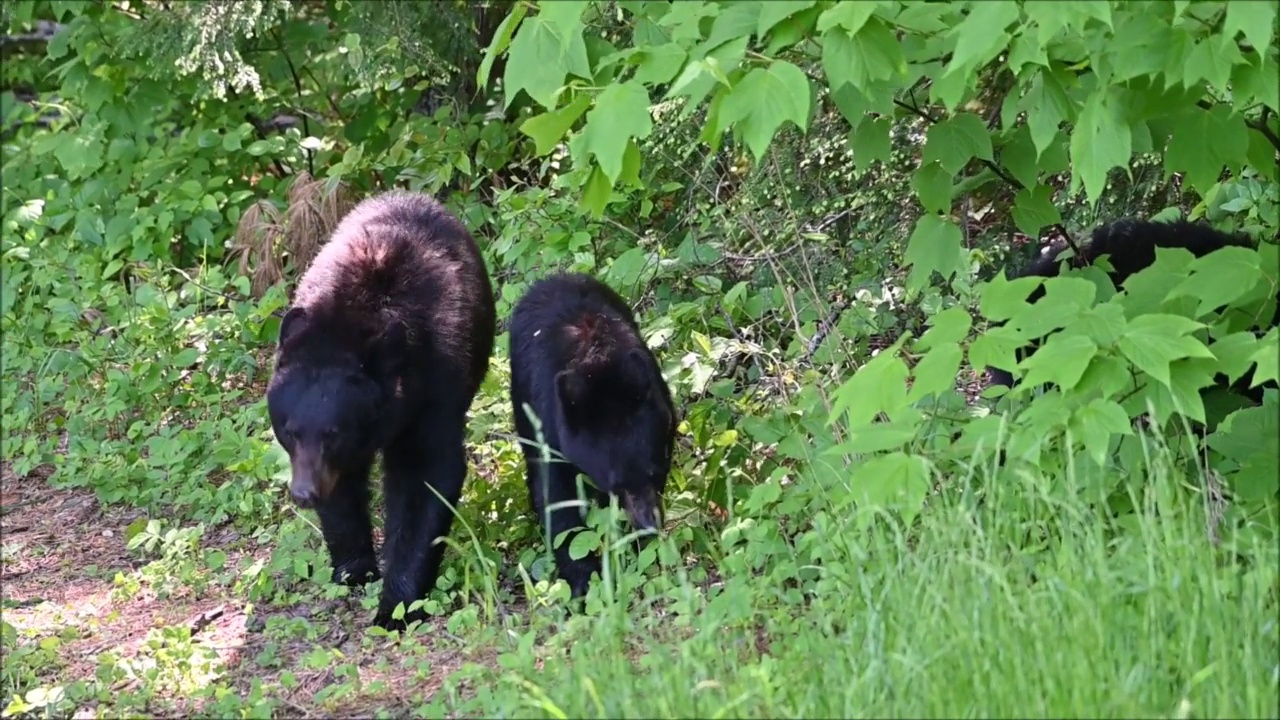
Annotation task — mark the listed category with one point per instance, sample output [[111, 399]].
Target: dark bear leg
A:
[[348, 531], [554, 485], [433, 452]]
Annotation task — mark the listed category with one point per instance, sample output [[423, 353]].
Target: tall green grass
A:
[[1032, 603]]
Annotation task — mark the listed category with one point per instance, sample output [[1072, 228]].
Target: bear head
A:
[[328, 398], [617, 425]]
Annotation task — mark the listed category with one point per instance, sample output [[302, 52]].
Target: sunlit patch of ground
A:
[[62, 553]]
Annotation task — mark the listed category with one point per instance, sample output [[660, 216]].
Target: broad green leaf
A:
[[1251, 437], [936, 372], [871, 142], [1268, 359], [698, 78], [896, 481], [659, 64], [849, 15], [1256, 81], [736, 20], [774, 12], [1101, 141], [877, 437], [1095, 424], [997, 348], [872, 54], [596, 193], [621, 112], [1064, 299], [879, 386], [1026, 49], [854, 102], [932, 184], [981, 36], [1051, 17], [1019, 157], [1033, 209], [1047, 106], [583, 543], [949, 326], [501, 39], [549, 128], [1203, 142], [1002, 298], [763, 100], [1220, 277], [936, 245], [1235, 353], [1061, 360], [1108, 375], [1211, 59], [956, 140], [547, 47], [1152, 342]]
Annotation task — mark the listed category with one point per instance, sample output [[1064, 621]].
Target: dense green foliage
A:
[[811, 203]]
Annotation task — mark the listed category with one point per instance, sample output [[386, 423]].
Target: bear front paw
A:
[[356, 572]]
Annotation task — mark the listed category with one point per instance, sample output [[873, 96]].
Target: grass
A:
[[1098, 624], [1032, 603]]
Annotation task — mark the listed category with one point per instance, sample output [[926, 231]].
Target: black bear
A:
[[383, 349], [1130, 245], [579, 363]]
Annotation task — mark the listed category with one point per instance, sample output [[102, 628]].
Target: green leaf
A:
[[877, 437], [1204, 141], [935, 246], [1211, 59], [583, 543], [1033, 209], [1268, 359], [1152, 342], [735, 21], [997, 348], [1096, 423], [596, 193], [956, 140], [932, 184], [870, 55], [981, 36], [1235, 353], [936, 372], [549, 128], [772, 13], [879, 386], [1061, 360], [763, 100], [1065, 298], [871, 142], [1019, 157], [849, 15], [1052, 17], [621, 113], [543, 51], [1220, 277], [949, 326], [1101, 141], [659, 63], [501, 39], [1047, 106], [896, 481]]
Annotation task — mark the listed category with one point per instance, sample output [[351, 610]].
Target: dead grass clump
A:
[[256, 242], [267, 239]]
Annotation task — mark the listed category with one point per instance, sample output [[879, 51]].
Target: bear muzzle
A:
[[313, 480]]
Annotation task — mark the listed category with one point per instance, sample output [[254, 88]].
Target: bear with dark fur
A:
[[385, 345], [1130, 245], [579, 363]]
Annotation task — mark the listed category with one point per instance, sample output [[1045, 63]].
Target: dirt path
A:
[[66, 573]]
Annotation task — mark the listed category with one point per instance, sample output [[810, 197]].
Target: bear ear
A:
[[570, 387], [293, 322], [636, 369]]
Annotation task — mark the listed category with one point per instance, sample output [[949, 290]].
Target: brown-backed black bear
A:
[[383, 349], [579, 363], [1130, 245]]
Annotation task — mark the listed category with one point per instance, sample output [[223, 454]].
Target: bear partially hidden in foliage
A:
[[383, 349], [579, 363], [1131, 247]]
